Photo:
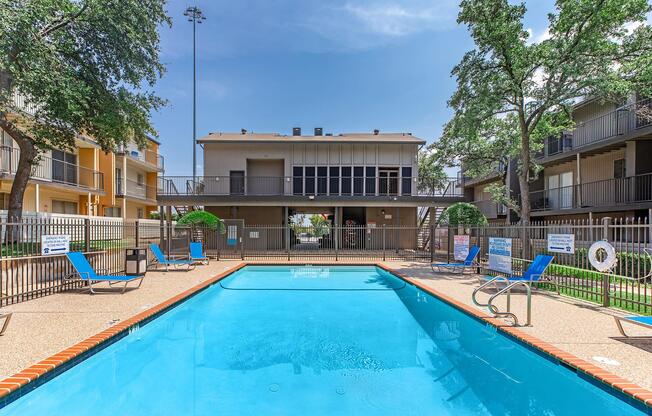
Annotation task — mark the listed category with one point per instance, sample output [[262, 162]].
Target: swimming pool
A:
[[286, 340]]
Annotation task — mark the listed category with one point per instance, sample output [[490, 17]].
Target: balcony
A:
[[621, 122], [606, 193], [20, 103], [53, 170], [288, 186], [147, 158], [134, 189], [491, 209]]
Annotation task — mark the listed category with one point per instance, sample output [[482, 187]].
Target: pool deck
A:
[[41, 328]]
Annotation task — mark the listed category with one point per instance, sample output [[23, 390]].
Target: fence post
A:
[[334, 229], [384, 229], [606, 222], [432, 243], [87, 235], [137, 233], [448, 245]]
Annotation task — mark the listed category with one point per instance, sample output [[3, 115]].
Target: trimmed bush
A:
[[203, 219], [463, 213]]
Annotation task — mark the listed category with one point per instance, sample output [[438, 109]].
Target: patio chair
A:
[[5, 324], [174, 261], [644, 321], [85, 272], [197, 253], [533, 274], [469, 263]]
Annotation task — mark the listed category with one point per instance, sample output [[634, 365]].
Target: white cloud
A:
[[399, 20], [538, 37], [362, 24]]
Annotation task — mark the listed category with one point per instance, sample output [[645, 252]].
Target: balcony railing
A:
[[53, 170], [147, 156], [619, 122], [605, 193], [20, 103], [134, 189], [377, 186], [491, 209]]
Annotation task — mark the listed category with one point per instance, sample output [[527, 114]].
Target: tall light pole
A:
[[195, 16]]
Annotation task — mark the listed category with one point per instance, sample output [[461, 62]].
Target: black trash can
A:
[[135, 261]]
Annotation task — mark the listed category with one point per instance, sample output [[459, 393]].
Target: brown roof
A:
[[221, 137]]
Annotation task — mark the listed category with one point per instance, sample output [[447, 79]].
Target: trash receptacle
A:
[[135, 261]]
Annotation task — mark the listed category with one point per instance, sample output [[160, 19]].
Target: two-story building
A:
[[365, 179], [600, 168]]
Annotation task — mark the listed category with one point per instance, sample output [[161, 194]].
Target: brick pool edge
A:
[[29, 377]]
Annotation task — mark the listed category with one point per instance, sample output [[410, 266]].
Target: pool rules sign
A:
[[54, 244], [500, 254]]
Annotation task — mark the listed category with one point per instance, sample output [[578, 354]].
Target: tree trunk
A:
[[23, 171], [524, 184]]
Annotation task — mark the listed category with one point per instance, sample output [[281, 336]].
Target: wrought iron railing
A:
[[147, 156], [340, 186], [134, 189], [53, 170], [608, 192]]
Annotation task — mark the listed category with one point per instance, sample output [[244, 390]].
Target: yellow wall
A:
[[106, 164]]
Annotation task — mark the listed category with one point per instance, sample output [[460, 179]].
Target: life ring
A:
[[606, 264]]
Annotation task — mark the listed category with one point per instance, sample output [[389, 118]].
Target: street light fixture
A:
[[194, 15]]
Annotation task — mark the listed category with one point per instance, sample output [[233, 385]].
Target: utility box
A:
[[135, 261]]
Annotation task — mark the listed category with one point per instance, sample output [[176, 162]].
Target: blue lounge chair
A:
[[170, 260], [85, 272], [469, 262], [533, 274], [197, 253], [644, 321]]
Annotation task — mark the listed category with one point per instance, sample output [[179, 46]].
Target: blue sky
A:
[[344, 65]]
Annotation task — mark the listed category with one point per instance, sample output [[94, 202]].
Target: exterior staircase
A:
[[424, 220]]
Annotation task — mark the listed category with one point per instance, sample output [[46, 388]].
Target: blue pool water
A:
[[276, 340]]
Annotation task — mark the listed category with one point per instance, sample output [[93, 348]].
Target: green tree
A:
[[320, 225], [463, 213], [431, 171], [85, 67], [203, 219], [511, 86]]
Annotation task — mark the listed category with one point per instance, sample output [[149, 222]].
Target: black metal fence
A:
[[26, 273], [627, 286]]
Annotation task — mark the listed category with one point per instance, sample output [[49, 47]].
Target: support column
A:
[[88, 204], [336, 229], [169, 229], [161, 220], [578, 181], [286, 229], [37, 197]]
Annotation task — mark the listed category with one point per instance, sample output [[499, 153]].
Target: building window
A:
[[297, 180], [64, 207], [113, 212], [620, 169], [140, 213], [140, 179], [334, 180], [406, 181], [370, 181], [64, 167], [4, 200]]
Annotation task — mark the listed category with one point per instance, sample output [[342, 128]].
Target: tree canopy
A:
[[512, 92], [463, 213], [84, 67]]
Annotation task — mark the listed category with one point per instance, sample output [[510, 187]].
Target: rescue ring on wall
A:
[[609, 260]]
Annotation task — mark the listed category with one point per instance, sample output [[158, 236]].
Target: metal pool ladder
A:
[[507, 289]]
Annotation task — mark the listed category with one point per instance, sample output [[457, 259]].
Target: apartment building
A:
[[366, 179], [600, 168]]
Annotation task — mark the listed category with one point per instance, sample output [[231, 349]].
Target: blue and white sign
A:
[[55, 244], [500, 254], [561, 243], [232, 235], [460, 247]]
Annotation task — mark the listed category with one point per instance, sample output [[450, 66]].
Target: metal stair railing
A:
[[507, 289]]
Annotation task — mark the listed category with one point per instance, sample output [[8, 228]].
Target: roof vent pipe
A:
[[243, 131], [319, 131], [376, 132], [296, 131]]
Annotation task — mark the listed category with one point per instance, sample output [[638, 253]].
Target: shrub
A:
[[203, 219], [463, 213]]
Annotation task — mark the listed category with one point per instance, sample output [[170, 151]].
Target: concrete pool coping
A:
[[31, 377]]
